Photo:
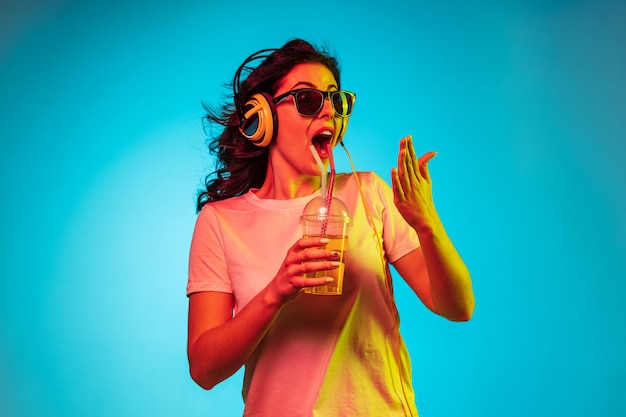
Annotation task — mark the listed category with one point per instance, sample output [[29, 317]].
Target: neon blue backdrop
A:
[[102, 151]]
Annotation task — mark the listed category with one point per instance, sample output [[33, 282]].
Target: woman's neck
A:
[[277, 187]]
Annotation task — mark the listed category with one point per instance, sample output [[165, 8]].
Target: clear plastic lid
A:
[[317, 210]]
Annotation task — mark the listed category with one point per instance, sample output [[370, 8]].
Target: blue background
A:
[[102, 150]]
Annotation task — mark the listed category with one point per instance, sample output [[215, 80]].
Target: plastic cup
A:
[[332, 223]]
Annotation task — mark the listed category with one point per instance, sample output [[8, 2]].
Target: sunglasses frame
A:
[[325, 95]]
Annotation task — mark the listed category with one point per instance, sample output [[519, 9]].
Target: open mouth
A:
[[322, 141]]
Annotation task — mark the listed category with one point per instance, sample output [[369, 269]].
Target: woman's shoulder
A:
[[236, 203], [365, 179], [360, 175]]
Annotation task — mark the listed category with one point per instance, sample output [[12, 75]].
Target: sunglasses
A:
[[310, 101]]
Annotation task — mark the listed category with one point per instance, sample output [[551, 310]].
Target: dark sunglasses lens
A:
[[342, 102], [309, 102]]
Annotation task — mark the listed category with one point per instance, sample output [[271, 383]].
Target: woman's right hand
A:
[[218, 343], [306, 255]]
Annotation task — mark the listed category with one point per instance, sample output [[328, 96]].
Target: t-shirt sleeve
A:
[[207, 261], [399, 238]]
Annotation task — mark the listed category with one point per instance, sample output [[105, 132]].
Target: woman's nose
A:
[[327, 108]]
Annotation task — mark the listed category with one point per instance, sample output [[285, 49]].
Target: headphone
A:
[[257, 117]]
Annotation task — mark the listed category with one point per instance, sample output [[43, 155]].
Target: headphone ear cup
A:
[[259, 123]]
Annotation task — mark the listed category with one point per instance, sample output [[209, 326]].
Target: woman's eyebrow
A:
[[307, 84], [302, 83]]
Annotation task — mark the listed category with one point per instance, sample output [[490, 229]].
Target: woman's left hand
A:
[[412, 187], [447, 286]]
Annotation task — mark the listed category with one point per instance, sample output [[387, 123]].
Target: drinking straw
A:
[[329, 192], [322, 172]]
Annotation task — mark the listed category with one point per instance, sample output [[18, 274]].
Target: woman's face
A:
[[296, 133]]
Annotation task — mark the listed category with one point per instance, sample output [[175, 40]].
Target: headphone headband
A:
[[257, 118], [262, 54]]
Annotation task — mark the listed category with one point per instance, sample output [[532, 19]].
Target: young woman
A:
[[308, 354]]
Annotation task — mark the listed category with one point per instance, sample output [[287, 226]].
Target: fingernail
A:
[[324, 240], [335, 263], [329, 279]]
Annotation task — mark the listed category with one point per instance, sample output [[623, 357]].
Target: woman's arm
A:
[[218, 344], [436, 271], [447, 293]]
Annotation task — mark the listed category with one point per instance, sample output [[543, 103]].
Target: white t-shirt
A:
[[324, 355]]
